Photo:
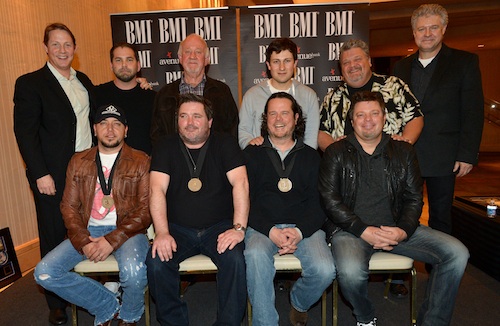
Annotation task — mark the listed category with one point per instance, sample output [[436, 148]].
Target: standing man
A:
[[199, 204], [281, 63], [404, 119], [194, 56], [52, 108], [126, 93], [285, 214], [372, 191], [447, 82], [106, 210]]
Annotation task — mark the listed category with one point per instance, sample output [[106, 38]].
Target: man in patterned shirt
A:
[[404, 118]]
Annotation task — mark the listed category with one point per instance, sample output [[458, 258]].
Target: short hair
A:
[[300, 127], [353, 43], [123, 45], [281, 44], [56, 26], [190, 97], [429, 10], [207, 52], [278, 45], [366, 96]]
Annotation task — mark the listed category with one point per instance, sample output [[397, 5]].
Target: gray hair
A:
[[355, 44], [429, 10], [207, 52]]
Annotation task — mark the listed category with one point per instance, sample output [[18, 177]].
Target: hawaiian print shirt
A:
[[401, 106]]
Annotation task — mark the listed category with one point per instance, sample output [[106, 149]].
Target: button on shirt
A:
[[79, 99]]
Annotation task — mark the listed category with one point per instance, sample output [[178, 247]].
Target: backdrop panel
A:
[[318, 31], [157, 36]]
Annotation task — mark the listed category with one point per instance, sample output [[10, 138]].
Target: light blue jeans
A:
[[318, 272], [447, 255], [55, 274]]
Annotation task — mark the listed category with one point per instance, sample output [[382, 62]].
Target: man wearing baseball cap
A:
[[105, 207]]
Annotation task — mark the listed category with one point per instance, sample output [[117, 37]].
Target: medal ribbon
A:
[[195, 169], [278, 164], [105, 187]]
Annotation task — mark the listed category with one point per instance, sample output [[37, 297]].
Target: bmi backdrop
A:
[[238, 37]]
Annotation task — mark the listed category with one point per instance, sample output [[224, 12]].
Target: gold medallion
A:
[[107, 202], [284, 185], [194, 184]]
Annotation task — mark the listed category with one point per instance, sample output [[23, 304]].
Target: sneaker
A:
[[373, 322], [112, 286]]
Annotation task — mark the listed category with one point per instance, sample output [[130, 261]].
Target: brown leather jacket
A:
[[130, 193]]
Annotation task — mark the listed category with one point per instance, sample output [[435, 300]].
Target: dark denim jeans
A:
[[447, 255], [164, 279]]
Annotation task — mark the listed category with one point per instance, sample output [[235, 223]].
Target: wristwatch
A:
[[239, 227]]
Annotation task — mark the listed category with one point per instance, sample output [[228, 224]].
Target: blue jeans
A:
[[318, 272], [55, 274], [447, 255], [164, 279]]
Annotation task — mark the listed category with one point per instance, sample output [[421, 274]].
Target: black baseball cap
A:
[[110, 111]]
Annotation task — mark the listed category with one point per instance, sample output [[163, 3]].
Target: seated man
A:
[[199, 204], [372, 191], [285, 213], [105, 207]]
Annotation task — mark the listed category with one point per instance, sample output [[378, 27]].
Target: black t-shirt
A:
[[214, 201], [138, 106]]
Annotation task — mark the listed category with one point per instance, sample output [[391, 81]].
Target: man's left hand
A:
[[392, 233], [229, 239], [102, 249], [462, 168], [401, 138]]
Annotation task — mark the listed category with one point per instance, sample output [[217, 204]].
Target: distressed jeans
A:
[[318, 272], [447, 255], [55, 274]]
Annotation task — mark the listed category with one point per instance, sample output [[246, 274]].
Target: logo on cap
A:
[[111, 110]]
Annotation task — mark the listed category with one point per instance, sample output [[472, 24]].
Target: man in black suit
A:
[[52, 110], [447, 83]]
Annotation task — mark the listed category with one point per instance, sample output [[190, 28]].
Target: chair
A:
[[387, 263], [289, 264], [108, 267]]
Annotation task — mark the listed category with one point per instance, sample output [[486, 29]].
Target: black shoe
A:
[[398, 290], [298, 318], [58, 317]]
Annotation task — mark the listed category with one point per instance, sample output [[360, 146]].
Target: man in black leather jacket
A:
[[372, 192]]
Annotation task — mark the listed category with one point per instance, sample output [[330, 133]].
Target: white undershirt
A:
[[99, 215]]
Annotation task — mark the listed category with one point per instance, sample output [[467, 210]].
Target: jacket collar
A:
[[125, 155]]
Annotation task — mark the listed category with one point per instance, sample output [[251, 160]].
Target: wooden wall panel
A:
[[22, 26]]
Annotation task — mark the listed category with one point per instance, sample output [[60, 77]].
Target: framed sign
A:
[[9, 266]]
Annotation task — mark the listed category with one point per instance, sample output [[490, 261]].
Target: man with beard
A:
[[199, 204], [105, 207], [125, 92]]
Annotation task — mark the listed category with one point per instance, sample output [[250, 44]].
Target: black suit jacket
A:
[[453, 108], [45, 124]]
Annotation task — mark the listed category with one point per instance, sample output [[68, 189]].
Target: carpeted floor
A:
[[23, 305]]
